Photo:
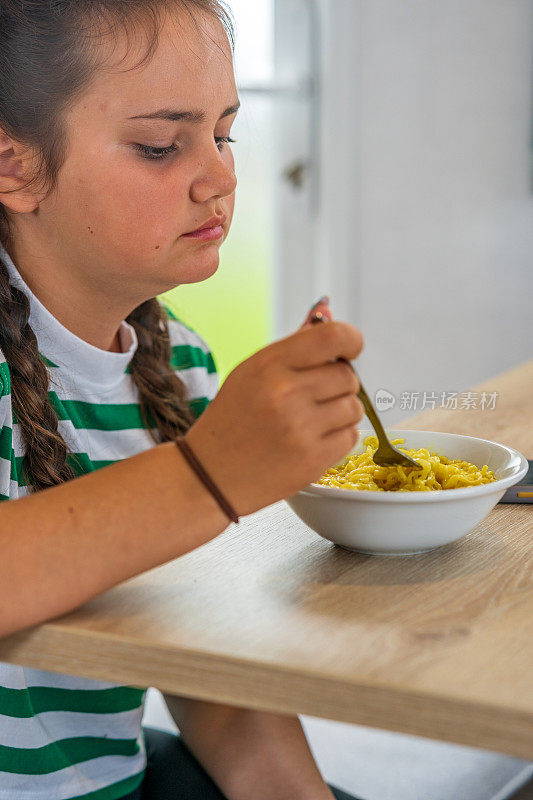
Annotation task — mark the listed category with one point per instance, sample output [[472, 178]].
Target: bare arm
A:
[[64, 545]]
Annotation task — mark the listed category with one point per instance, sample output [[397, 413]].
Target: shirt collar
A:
[[66, 350]]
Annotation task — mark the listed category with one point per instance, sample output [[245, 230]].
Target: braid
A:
[[44, 463], [46, 59], [161, 393]]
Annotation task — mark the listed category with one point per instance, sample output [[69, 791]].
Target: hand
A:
[[282, 417]]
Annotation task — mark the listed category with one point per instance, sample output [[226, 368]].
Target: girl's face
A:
[[138, 175]]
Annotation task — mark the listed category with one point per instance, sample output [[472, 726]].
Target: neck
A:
[[91, 311]]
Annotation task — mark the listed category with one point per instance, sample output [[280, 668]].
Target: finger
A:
[[334, 415], [322, 308], [339, 444], [330, 381], [316, 345]]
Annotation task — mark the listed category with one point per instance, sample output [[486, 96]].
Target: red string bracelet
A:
[[206, 480]]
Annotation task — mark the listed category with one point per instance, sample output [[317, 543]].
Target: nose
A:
[[215, 178]]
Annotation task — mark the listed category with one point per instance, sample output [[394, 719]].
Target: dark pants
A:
[[173, 773]]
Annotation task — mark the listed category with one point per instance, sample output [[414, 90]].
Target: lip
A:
[[213, 222], [206, 234]]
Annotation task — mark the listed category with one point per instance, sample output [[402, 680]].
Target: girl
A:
[[117, 184]]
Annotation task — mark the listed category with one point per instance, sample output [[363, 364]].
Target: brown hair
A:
[[46, 59]]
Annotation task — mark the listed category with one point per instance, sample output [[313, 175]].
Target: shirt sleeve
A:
[[6, 430]]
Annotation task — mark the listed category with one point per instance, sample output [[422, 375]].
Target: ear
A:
[[15, 165]]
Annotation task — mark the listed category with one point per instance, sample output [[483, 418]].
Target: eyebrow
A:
[[187, 116]]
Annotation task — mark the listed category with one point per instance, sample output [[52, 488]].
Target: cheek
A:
[[150, 204], [130, 206]]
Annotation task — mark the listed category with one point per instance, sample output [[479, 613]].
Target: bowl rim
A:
[[521, 466]]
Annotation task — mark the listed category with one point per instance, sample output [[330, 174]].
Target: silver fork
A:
[[385, 454]]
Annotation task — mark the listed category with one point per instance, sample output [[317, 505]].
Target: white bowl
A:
[[403, 523]]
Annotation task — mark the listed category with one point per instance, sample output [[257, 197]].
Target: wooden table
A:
[[271, 616]]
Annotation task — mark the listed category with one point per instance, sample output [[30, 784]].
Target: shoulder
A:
[[192, 361], [188, 348], [5, 376], [6, 432]]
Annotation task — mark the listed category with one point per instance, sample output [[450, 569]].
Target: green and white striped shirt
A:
[[64, 737]]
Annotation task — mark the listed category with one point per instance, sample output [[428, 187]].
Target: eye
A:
[[222, 140], [155, 153], [159, 153]]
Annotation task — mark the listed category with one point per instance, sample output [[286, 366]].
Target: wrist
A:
[[198, 468], [214, 518], [222, 470]]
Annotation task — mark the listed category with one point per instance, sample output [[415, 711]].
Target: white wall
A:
[[442, 191]]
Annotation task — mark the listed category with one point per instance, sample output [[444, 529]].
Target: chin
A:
[[202, 267]]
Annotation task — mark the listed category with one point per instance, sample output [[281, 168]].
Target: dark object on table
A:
[[521, 492]]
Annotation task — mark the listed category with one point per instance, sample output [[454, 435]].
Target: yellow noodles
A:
[[437, 472]]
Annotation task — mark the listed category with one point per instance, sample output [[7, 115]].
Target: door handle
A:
[[296, 172]]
